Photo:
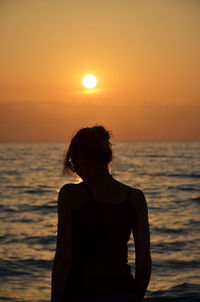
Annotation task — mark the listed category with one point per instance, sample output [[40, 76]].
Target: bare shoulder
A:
[[71, 195], [138, 200], [137, 193], [67, 189]]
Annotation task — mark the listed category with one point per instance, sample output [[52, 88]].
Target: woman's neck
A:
[[97, 176]]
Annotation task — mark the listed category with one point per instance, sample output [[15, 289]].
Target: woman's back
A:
[[101, 230]]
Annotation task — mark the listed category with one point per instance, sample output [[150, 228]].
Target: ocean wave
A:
[[189, 187], [4, 209], [175, 246], [170, 230], [44, 208], [35, 208], [11, 172], [15, 213], [23, 267], [177, 265], [17, 187], [10, 268], [197, 200], [184, 292], [38, 191], [194, 222], [165, 156], [181, 175], [44, 240], [35, 242], [8, 299]]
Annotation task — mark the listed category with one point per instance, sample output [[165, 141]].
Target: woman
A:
[[95, 220]]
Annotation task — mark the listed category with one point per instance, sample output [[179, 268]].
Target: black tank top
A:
[[100, 254]]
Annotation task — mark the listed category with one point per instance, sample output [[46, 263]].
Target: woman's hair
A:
[[91, 142]]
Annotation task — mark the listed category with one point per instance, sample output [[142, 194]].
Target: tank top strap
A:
[[88, 191], [127, 200]]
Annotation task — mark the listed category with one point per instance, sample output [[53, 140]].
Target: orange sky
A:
[[145, 55]]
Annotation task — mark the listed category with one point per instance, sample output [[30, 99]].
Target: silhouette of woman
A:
[[95, 220]]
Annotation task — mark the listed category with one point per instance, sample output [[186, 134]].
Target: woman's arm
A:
[[63, 256], [141, 236]]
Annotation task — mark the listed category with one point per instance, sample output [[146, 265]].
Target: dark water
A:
[[168, 173]]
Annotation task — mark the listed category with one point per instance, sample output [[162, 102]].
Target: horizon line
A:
[[117, 141]]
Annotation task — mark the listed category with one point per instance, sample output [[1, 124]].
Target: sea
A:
[[30, 178]]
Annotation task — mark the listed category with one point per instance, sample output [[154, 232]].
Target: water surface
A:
[[169, 175]]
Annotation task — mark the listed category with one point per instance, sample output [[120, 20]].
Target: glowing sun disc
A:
[[89, 81]]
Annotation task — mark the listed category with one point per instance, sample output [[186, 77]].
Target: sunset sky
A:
[[144, 54]]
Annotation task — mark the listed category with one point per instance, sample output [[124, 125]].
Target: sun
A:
[[89, 81]]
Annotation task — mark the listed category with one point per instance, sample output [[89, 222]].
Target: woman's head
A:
[[88, 145]]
